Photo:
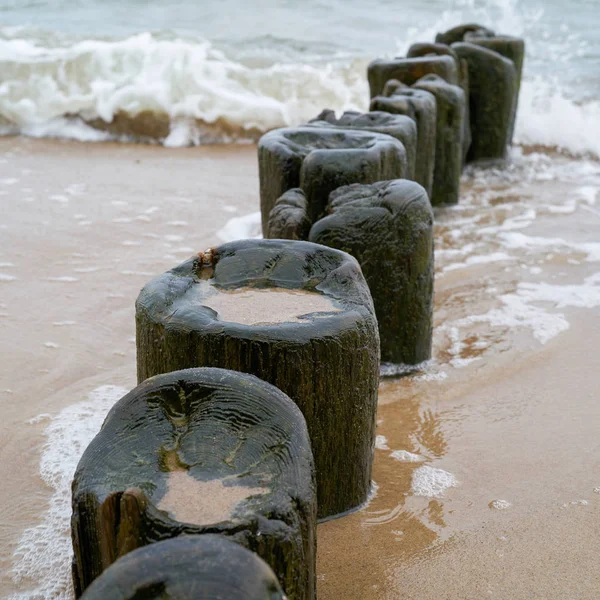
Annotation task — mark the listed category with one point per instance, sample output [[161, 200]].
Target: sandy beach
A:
[[486, 470]]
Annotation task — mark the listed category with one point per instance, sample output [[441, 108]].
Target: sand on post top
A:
[[254, 306], [203, 502]]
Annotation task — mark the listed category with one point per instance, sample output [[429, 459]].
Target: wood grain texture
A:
[[211, 424], [328, 363]]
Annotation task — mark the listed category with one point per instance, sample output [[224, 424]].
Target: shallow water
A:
[[506, 411]]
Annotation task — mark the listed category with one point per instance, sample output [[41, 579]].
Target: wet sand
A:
[[509, 407], [250, 306]]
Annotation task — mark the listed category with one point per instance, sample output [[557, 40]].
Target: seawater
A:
[[232, 70]]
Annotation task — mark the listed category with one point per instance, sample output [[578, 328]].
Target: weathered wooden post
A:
[[492, 97], [295, 314], [401, 127], [410, 70], [193, 452], [388, 227], [319, 160], [450, 127], [288, 219], [511, 48], [420, 105], [189, 567], [425, 48]]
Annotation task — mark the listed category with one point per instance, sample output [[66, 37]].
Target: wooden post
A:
[[420, 105], [319, 160], [199, 451], [401, 127], [326, 358], [409, 70], [388, 227], [189, 567], [450, 127]]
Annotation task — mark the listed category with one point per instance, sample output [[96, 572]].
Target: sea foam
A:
[[182, 91], [42, 560], [431, 482], [239, 228]]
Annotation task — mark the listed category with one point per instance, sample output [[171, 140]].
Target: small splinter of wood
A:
[[207, 257]]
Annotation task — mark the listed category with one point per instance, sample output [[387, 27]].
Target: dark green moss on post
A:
[[198, 428], [328, 363], [420, 49], [510, 47], [427, 48], [190, 567], [319, 160], [492, 87], [450, 127], [419, 105], [409, 70], [388, 227], [458, 33], [289, 218], [401, 127]]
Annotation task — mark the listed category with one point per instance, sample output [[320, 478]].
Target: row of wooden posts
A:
[[240, 436]]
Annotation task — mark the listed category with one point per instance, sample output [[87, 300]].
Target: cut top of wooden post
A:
[[190, 567], [410, 70], [430, 48], [458, 33], [201, 450], [321, 159], [401, 127], [328, 279]]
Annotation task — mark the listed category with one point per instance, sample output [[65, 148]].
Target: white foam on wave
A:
[[190, 82], [431, 482], [193, 84], [516, 240], [239, 228], [43, 556], [548, 117]]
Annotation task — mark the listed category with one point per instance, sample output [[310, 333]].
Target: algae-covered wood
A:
[[510, 47], [199, 451], [326, 361], [401, 127], [450, 128], [289, 220], [426, 48], [388, 228], [189, 567], [420, 105], [319, 160], [409, 70], [492, 97]]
